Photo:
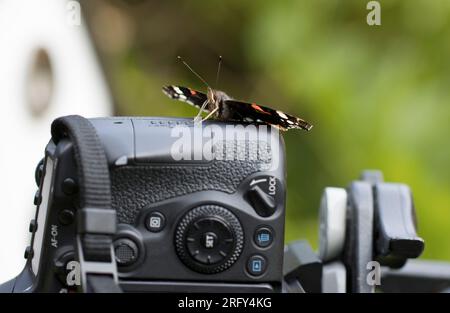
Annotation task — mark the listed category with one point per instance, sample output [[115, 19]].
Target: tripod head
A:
[[367, 238]]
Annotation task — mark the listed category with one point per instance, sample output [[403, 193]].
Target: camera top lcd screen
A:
[[42, 215]]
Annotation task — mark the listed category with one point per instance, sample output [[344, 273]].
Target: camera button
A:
[[126, 251], [38, 172], [155, 221], [69, 186], [33, 226], [209, 240], [256, 265], [37, 198], [28, 253], [263, 237], [66, 217]]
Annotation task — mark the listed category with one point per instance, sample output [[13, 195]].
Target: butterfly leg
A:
[[199, 114], [211, 113]]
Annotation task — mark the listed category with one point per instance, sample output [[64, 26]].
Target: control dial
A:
[[209, 239]]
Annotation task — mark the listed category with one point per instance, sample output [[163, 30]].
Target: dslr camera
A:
[[178, 216]]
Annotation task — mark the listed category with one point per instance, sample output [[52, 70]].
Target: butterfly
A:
[[220, 106]]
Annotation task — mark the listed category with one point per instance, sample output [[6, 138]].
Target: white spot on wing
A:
[[282, 115], [177, 90]]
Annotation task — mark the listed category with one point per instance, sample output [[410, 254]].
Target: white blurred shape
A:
[[333, 210], [78, 88]]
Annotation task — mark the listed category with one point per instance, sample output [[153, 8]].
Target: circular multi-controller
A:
[[209, 239]]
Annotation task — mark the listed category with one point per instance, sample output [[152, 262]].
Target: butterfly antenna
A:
[[218, 71], [194, 72]]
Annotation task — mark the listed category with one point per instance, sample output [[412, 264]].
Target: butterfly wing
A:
[[252, 112], [191, 96]]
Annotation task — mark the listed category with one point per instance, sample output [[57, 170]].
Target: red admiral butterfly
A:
[[222, 107]]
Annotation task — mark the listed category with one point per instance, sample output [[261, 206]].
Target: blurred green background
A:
[[378, 96]]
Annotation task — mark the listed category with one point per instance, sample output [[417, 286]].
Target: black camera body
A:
[[165, 205], [191, 224]]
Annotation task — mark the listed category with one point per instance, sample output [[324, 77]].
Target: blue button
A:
[[256, 265], [263, 237]]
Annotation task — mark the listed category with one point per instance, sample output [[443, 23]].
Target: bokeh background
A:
[[379, 96]]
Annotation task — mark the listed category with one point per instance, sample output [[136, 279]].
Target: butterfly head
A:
[[216, 96]]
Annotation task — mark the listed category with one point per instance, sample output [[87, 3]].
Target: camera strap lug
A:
[[96, 228], [98, 275], [96, 218]]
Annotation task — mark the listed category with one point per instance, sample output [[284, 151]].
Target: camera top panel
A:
[[129, 140]]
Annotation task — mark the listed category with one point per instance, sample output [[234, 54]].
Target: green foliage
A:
[[378, 95]]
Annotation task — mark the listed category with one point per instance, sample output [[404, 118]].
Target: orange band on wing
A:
[[193, 92], [258, 108]]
